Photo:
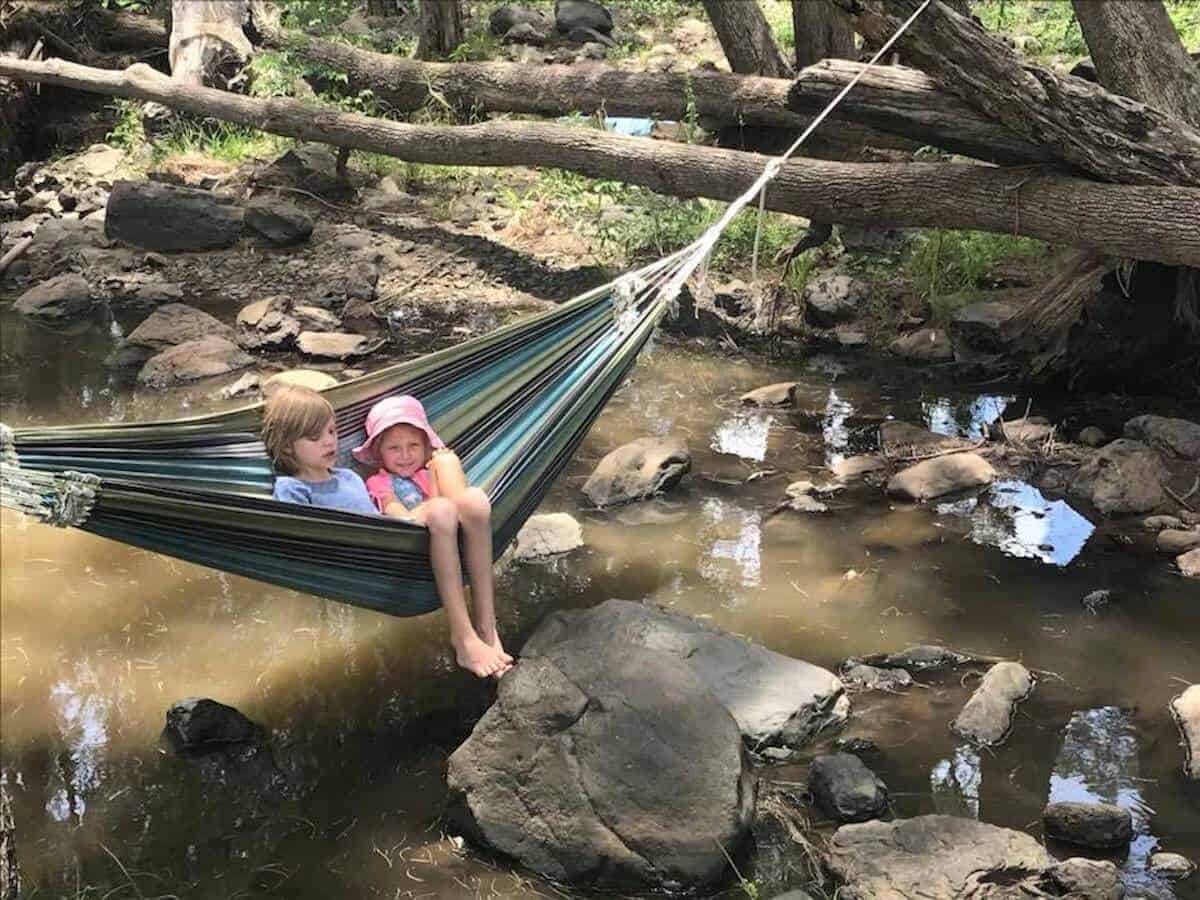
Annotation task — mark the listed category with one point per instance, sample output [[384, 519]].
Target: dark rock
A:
[[617, 768], [1091, 436], [845, 789], [587, 36], [1100, 826], [225, 746], [921, 658], [775, 700], [1177, 437], [311, 168], [157, 216], [59, 299], [198, 723], [572, 14], [979, 326], [525, 33], [638, 470], [1122, 477], [192, 360], [279, 222], [1088, 878], [504, 18]]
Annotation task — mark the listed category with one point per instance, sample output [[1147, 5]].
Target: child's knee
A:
[[473, 505], [441, 514]]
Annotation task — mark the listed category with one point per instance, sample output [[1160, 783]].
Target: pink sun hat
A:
[[402, 410]]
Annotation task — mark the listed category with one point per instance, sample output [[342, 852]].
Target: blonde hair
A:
[[292, 412]]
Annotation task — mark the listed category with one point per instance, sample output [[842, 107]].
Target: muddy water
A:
[[98, 640]]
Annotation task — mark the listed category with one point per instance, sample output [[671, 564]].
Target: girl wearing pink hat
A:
[[420, 480]]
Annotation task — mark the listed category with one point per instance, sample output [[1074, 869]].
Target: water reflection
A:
[[1017, 519], [82, 717], [956, 783], [959, 418], [733, 561], [1098, 763], [833, 428], [744, 434]]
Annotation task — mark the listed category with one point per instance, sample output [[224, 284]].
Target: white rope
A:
[[703, 246]]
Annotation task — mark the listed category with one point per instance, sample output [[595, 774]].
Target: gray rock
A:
[[637, 470], [334, 345], [1088, 878], [570, 15], [176, 323], [1189, 563], [279, 222], [198, 723], [157, 216], [877, 679], [831, 298], [617, 768], [192, 360], [845, 789], [780, 394], [775, 700], [1091, 436], [1175, 541], [397, 202], [987, 717], [1122, 477], [980, 325], [927, 345], [934, 858], [940, 476], [267, 324], [1185, 710], [59, 299], [1162, 523], [526, 33], [504, 18], [548, 534], [311, 167], [1100, 826], [1173, 866], [1178, 437]]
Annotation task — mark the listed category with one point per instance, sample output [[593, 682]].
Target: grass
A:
[[947, 268]]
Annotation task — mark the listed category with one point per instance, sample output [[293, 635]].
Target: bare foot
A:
[[479, 658]]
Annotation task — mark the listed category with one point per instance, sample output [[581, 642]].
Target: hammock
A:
[[514, 405]]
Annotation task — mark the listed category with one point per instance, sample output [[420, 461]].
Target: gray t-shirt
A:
[[344, 491]]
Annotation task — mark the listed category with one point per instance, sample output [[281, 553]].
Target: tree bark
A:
[[746, 38], [207, 41], [441, 29], [1110, 136], [1151, 222], [1137, 52], [906, 109], [384, 8], [10, 870], [822, 32]]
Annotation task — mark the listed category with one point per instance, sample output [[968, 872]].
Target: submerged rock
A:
[[1093, 879], [548, 535], [877, 679], [781, 394], [157, 216], [987, 717], [192, 360], [1100, 826], [200, 723], [224, 745], [934, 858], [921, 658], [1185, 709], [1122, 477], [845, 789], [944, 475], [775, 700], [1178, 437], [638, 470], [615, 767], [60, 298]]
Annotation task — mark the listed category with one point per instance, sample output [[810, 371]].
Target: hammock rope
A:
[[514, 404]]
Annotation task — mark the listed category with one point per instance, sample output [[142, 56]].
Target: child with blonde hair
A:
[[417, 484]]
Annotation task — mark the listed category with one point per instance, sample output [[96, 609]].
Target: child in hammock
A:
[[417, 484]]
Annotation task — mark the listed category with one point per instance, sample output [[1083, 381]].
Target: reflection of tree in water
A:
[[956, 783], [961, 418], [1098, 763]]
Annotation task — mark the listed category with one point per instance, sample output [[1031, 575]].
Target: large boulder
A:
[[1185, 709], [935, 858], [192, 360], [832, 297], [157, 216], [1179, 437], [638, 470], [943, 475], [267, 324], [615, 767], [574, 15], [775, 700], [1122, 477], [845, 789], [59, 299], [176, 323], [987, 717], [1098, 826]]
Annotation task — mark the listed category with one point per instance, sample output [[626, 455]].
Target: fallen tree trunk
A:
[[1160, 223], [104, 29], [900, 102], [1107, 135]]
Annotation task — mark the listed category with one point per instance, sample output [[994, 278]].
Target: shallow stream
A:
[[99, 639]]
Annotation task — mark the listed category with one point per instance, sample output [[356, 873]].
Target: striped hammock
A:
[[514, 404]]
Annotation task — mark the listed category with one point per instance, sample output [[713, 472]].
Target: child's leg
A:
[[441, 517], [475, 514]]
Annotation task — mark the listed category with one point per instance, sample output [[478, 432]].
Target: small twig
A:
[[14, 254], [1182, 501]]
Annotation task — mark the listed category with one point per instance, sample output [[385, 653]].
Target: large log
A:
[[1104, 134], [1149, 222], [106, 29], [902, 102]]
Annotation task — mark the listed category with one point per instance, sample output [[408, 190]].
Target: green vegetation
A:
[[947, 268]]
